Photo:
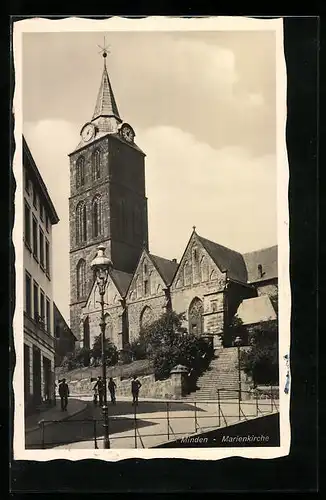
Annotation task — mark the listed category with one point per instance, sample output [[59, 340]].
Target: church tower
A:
[[107, 201]]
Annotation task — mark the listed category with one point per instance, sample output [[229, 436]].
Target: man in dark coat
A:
[[112, 386], [99, 388], [135, 386], [64, 394]]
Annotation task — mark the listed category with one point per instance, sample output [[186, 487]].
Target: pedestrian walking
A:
[[64, 394], [112, 387], [99, 388], [95, 397], [135, 386]]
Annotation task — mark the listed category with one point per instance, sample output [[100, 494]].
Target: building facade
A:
[[108, 205], [64, 338], [39, 348]]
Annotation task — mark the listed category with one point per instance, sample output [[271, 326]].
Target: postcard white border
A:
[[156, 24]]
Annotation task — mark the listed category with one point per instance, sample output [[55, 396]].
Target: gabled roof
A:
[[267, 258], [105, 103], [256, 310], [227, 260], [167, 268], [122, 280]]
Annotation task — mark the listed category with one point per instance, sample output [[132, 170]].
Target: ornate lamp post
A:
[[237, 343], [101, 265]]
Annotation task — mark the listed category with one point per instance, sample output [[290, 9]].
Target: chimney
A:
[[260, 271], [174, 260]]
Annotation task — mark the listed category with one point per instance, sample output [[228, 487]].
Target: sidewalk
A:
[[75, 406]]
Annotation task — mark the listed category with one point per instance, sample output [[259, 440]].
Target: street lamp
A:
[[237, 343], [100, 265]]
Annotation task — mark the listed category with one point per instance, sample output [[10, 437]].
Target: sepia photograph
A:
[[151, 234]]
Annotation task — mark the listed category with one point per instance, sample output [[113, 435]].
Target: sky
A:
[[203, 108]]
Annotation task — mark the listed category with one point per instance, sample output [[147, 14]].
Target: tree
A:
[[138, 349], [261, 359], [110, 351], [167, 343], [274, 300], [237, 329]]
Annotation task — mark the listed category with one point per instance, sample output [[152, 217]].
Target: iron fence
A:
[[169, 420]]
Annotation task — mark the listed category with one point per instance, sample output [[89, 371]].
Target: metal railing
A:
[[127, 429]]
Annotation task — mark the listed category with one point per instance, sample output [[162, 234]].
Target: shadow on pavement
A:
[[85, 425], [72, 431]]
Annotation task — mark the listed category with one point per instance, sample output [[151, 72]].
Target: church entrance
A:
[[195, 316]]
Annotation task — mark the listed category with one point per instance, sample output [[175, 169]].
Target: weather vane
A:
[[104, 50]]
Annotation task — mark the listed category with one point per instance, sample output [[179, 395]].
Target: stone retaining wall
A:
[[150, 387]]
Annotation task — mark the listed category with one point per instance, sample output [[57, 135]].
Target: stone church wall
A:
[[182, 297], [269, 289], [87, 153], [135, 309], [113, 331]]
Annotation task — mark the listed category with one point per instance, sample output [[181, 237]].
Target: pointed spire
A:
[[105, 103]]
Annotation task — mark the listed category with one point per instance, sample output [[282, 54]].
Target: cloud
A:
[[256, 99], [229, 195], [217, 86]]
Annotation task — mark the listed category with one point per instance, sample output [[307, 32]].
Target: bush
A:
[[110, 352], [76, 359], [261, 359]]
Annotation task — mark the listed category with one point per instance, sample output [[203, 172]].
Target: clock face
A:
[[88, 132], [127, 133]]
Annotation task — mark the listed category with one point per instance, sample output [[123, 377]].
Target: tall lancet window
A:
[[81, 223], [96, 216], [80, 172], [81, 279], [96, 165]]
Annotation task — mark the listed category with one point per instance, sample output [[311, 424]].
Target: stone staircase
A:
[[222, 374]]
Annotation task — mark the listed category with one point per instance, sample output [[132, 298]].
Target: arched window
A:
[[81, 279], [147, 285], [138, 287], [187, 273], [96, 165], [213, 275], [146, 317], [109, 327], [81, 222], [96, 216], [203, 269], [86, 335], [80, 172], [195, 316], [195, 265]]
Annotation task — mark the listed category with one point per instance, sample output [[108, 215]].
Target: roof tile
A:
[[166, 267], [226, 259]]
